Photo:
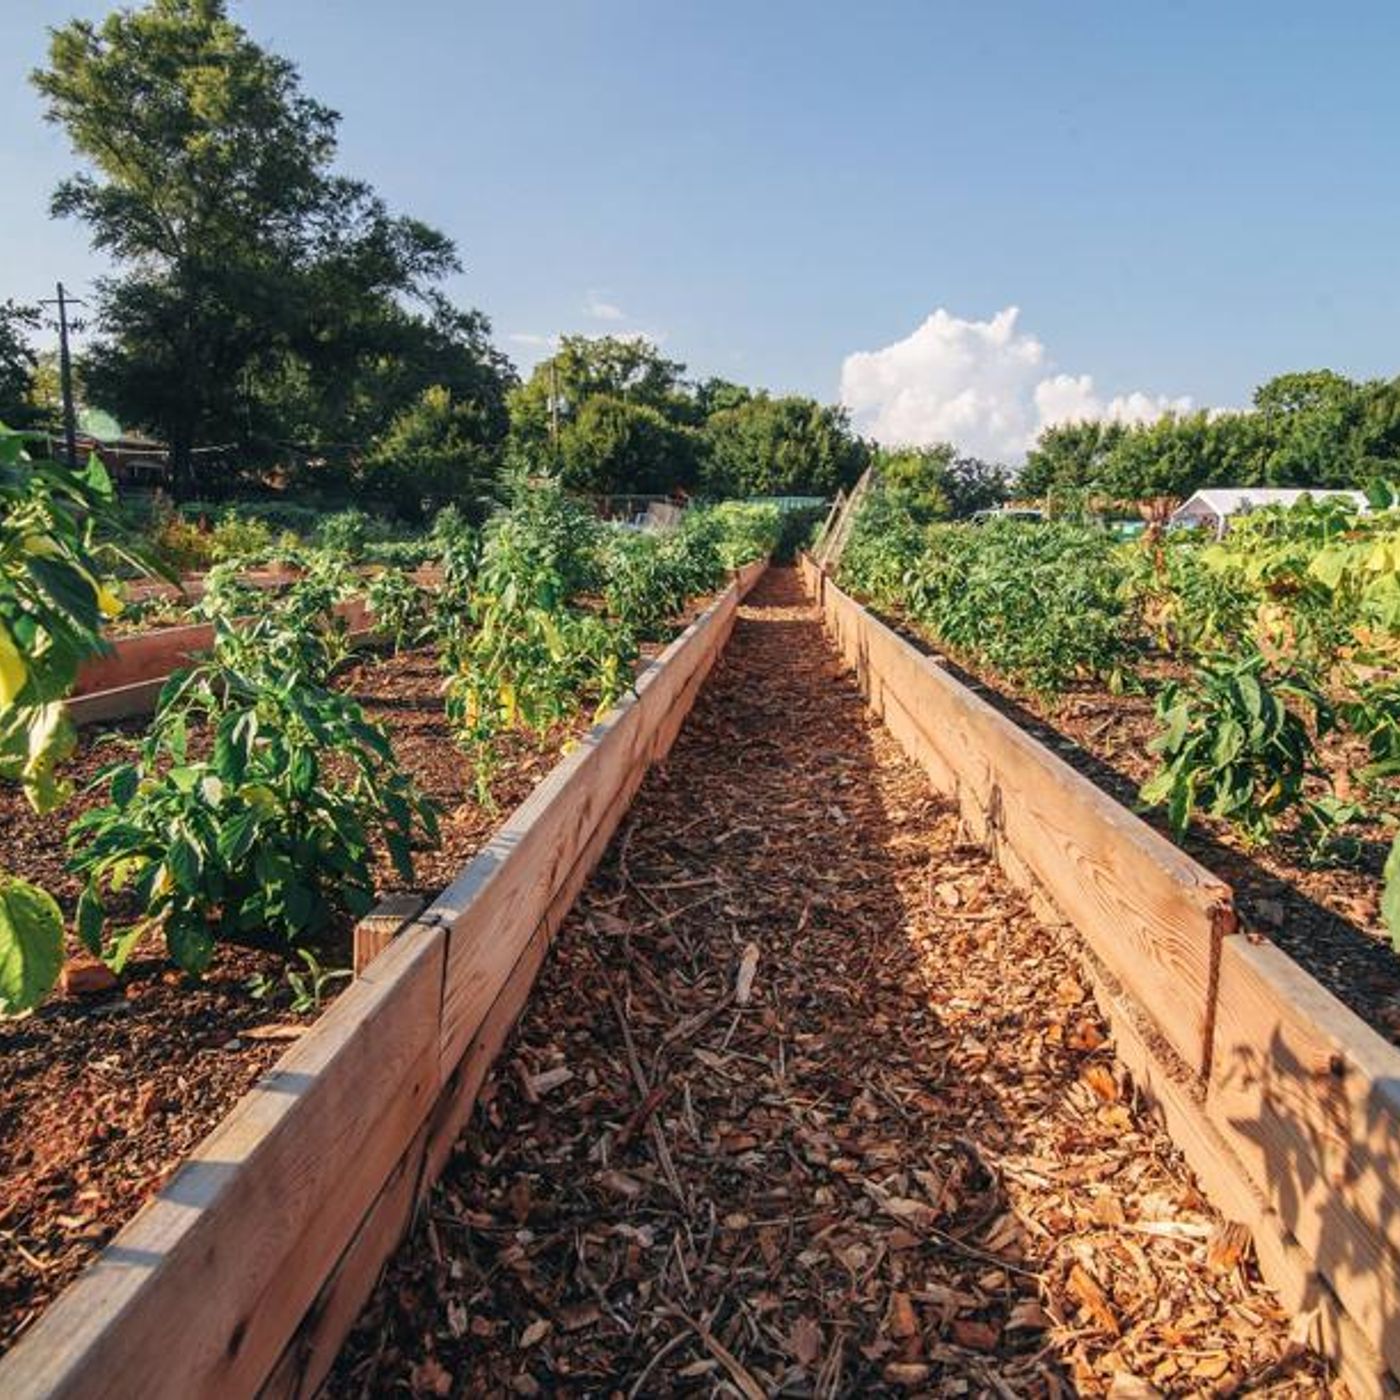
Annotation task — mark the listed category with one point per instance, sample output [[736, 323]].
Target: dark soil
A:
[[806, 1101], [104, 1095], [1325, 916]]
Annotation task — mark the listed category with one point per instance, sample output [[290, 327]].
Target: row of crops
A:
[[1272, 656], [250, 810]]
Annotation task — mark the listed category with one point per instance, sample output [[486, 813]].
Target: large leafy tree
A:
[[627, 368], [935, 483], [436, 452], [1311, 428], [612, 446], [786, 446], [17, 362], [210, 182]]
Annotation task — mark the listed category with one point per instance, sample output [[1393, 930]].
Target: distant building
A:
[[1211, 509]]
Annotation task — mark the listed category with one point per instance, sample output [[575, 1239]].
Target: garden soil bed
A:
[[1325, 917], [807, 1101], [105, 1093]]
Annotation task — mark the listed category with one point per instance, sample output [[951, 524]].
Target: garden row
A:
[[1245, 691], [229, 810], [263, 808], [279, 1222], [1284, 1102]]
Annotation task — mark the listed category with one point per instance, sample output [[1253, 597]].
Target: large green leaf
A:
[[31, 944], [1390, 897]]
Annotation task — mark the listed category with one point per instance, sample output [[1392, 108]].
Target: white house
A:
[[1213, 508]]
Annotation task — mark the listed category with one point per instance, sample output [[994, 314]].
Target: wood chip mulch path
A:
[[807, 1102]]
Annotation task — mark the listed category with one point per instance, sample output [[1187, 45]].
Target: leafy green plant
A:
[[260, 841], [523, 655], [56, 523], [240, 537], [308, 984], [1039, 603], [398, 607], [1373, 713], [1235, 743]]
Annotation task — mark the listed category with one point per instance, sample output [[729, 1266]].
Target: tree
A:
[[629, 369], [211, 185], [436, 452], [1069, 455], [788, 446], [614, 447], [934, 483], [1303, 391], [17, 362]]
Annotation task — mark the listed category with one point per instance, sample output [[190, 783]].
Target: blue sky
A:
[[1182, 199]]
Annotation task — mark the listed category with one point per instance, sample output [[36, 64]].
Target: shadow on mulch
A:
[[1360, 970], [804, 1101]]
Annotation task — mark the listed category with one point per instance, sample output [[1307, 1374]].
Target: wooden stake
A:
[[382, 925]]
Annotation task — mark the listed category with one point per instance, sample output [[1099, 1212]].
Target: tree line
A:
[[266, 308], [1316, 428]]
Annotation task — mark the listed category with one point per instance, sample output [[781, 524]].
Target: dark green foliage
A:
[[613, 447], [17, 362], [1315, 428], [263, 840], [934, 483], [786, 446], [278, 310], [1235, 743]]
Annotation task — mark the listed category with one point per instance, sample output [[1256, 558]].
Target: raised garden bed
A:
[[279, 1221], [1286, 1103]]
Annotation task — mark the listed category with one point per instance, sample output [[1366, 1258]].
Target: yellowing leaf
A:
[[13, 671], [108, 601]]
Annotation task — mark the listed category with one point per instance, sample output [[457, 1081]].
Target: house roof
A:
[[1223, 501]]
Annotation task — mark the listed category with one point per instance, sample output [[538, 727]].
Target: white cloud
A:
[[602, 310], [985, 385], [537, 342]]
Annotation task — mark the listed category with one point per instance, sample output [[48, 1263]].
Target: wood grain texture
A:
[[1287, 1267], [197, 1295], [144, 657], [1308, 1097], [263, 1247], [1153, 915], [308, 1357], [382, 925]]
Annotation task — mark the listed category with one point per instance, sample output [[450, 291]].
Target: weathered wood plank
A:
[[1308, 1096], [495, 904], [1286, 1266], [1153, 915], [144, 657], [197, 1295], [382, 925], [309, 1356]]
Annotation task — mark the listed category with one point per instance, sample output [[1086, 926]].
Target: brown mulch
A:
[[104, 1095], [1325, 915], [806, 1101]]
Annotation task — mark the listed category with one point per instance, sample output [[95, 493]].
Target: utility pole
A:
[[65, 372]]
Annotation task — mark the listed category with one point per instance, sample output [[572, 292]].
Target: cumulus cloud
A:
[[602, 310], [535, 342], [987, 386]]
